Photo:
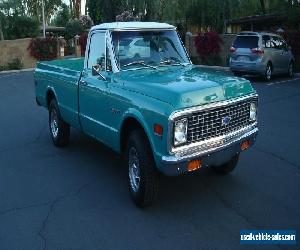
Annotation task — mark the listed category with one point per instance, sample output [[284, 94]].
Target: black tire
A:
[[140, 162], [291, 70], [59, 130], [268, 72], [227, 167]]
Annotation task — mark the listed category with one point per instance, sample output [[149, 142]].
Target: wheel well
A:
[[130, 124], [269, 62], [50, 95]]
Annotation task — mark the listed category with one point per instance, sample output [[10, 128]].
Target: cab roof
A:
[[132, 26]]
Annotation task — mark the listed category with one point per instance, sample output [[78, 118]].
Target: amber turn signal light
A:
[[193, 165], [158, 129], [245, 145]]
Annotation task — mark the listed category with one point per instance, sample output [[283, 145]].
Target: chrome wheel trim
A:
[[291, 69], [134, 169], [268, 72], [54, 123]]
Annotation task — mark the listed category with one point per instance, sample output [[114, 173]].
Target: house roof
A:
[[133, 26], [256, 18], [53, 28]]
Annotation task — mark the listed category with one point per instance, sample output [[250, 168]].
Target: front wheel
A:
[[142, 174], [59, 130], [228, 167]]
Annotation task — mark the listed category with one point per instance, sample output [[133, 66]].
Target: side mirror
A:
[[96, 72]]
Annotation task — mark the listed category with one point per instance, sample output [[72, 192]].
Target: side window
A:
[[267, 43], [277, 42], [97, 51]]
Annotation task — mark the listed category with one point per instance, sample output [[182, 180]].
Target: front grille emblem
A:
[[226, 120]]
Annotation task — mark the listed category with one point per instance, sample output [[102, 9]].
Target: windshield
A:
[[153, 48], [246, 42]]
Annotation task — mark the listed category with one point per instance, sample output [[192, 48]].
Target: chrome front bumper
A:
[[215, 151]]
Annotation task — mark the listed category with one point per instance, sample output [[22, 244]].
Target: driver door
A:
[[94, 91]]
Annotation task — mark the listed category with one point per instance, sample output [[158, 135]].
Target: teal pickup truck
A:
[[137, 92]]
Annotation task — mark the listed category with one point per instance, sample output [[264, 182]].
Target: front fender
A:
[[136, 114], [147, 119]]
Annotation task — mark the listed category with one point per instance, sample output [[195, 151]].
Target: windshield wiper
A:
[[171, 62], [139, 63]]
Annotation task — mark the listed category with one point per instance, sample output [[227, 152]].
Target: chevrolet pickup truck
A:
[[137, 92]]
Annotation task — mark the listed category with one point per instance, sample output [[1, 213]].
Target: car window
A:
[[246, 42], [267, 42], [97, 51], [278, 42], [142, 43]]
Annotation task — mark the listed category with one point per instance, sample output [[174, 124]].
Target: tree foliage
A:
[[205, 13], [62, 17], [73, 28], [15, 27]]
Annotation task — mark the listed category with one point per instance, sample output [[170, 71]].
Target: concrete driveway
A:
[[77, 197]]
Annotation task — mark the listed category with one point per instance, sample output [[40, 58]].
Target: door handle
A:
[[83, 82]]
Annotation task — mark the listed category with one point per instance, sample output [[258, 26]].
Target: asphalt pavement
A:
[[77, 197]]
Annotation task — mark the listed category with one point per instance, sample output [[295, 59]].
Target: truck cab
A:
[[137, 92]]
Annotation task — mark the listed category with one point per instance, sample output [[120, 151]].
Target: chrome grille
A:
[[207, 124]]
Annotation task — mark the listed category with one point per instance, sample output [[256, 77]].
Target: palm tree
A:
[[1, 32], [76, 8]]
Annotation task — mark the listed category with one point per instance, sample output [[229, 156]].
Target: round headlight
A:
[[180, 131], [253, 111]]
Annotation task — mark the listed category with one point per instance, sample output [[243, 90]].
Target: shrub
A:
[[127, 16], [293, 39], [73, 28], [82, 42], [43, 48], [86, 22], [208, 46], [16, 63]]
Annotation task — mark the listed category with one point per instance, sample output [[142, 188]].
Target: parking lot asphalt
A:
[[77, 197]]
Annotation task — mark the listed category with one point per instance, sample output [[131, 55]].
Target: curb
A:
[[16, 71]]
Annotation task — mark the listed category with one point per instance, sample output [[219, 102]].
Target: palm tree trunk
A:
[[1, 32], [71, 8]]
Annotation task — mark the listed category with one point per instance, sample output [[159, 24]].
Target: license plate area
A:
[[243, 59]]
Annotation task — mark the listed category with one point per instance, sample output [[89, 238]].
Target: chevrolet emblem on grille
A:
[[226, 120]]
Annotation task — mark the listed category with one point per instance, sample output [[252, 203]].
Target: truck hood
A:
[[184, 87]]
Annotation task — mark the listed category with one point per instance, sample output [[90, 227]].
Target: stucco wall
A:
[[10, 49]]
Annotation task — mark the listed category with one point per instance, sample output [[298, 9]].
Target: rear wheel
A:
[[59, 130], [291, 70], [228, 167], [268, 72], [142, 174]]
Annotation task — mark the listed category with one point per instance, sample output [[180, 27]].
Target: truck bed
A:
[[61, 78], [74, 64]]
